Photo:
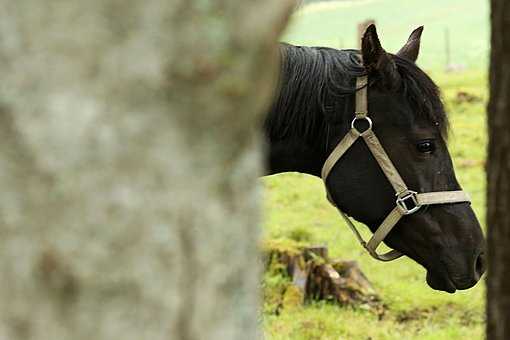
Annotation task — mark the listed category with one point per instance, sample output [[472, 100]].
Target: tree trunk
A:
[[498, 176], [128, 161]]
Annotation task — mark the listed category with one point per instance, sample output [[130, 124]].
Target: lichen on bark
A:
[[128, 162]]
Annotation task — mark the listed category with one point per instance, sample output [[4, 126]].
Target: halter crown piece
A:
[[407, 201]]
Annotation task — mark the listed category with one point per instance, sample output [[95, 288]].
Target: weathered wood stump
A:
[[314, 276]]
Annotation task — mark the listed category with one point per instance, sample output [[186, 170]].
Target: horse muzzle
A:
[[454, 273]]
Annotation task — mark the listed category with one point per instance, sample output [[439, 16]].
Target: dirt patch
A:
[[469, 163], [465, 97], [415, 314]]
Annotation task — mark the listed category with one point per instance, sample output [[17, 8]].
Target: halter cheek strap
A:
[[407, 201]]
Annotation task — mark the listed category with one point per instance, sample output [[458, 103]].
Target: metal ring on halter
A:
[[367, 119], [407, 201]]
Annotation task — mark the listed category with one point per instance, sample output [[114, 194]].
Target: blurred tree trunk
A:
[[128, 157], [498, 176]]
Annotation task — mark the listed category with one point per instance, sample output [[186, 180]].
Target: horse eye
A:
[[426, 146]]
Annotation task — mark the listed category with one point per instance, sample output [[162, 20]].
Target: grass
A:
[[295, 204]]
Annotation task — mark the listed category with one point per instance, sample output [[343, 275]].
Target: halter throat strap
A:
[[407, 201]]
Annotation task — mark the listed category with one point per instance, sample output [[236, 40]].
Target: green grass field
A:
[[335, 23], [295, 205]]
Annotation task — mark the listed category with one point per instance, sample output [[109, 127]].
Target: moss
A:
[[283, 245], [301, 234], [293, 298]]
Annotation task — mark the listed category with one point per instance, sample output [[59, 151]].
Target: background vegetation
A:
[[296, 208], [334, 24]]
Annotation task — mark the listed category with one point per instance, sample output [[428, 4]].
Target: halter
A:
[[407, 201]]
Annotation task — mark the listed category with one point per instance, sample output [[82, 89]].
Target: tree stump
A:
[[317, 277]]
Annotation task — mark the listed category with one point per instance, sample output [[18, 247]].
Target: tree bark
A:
[[128, 162], [498, 176]]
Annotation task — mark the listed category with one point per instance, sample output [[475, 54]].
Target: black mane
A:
[[317, 86]]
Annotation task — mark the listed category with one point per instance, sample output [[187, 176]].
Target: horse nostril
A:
[[479, 266]]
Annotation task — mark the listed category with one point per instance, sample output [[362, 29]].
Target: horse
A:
[[313, 112]]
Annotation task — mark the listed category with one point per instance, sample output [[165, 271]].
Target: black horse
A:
[[313, 112]]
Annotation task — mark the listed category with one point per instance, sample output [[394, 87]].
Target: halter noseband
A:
[[407, 201]]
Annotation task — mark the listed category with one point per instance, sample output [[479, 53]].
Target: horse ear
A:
[[376, 60], [412, 48]]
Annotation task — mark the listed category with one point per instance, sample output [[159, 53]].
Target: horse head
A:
[[312, 114], [409, 119]]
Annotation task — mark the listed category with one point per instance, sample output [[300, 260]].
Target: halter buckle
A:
[[359, 118], [407, 202]]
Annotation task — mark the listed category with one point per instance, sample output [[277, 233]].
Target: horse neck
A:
[[293, 155], [288, 151]]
